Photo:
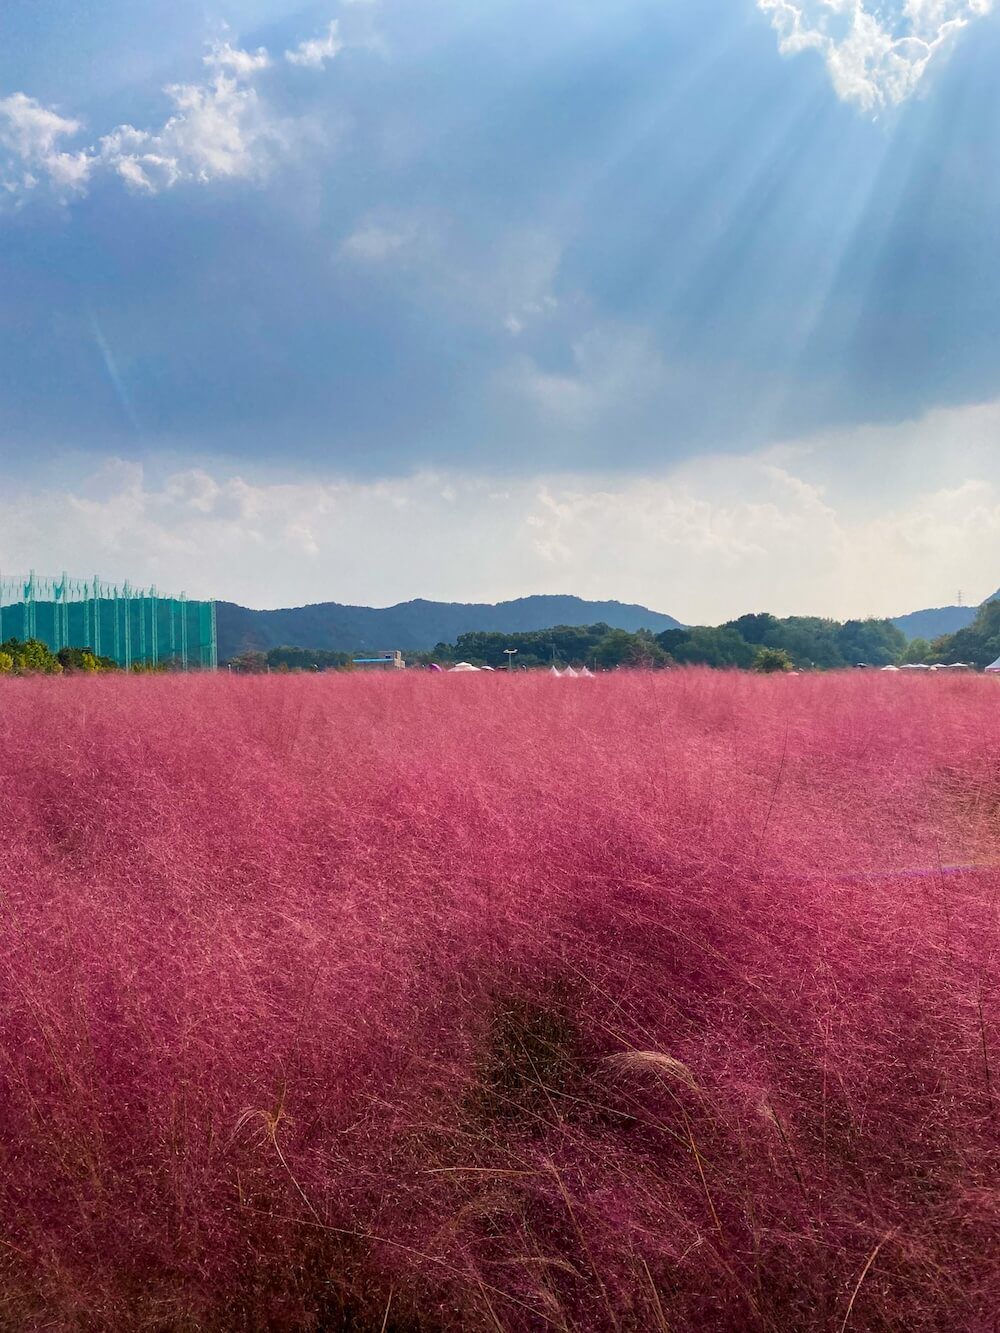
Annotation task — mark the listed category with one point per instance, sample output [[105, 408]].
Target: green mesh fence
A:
[[129, 625]]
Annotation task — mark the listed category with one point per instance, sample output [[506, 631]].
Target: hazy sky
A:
[[688, 302]]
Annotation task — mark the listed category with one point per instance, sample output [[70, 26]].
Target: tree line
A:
[[978, 644], [32, 657], [762, 642], [254, 662]]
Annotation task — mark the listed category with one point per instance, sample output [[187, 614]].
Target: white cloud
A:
[[613, 368], [780, 530], [219, 130], [372, 242], [314, 53], [31, 139], [507, 283], [518, 320], [876, 53], [241, 64]]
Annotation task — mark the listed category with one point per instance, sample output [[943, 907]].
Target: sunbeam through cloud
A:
[[876, 54]]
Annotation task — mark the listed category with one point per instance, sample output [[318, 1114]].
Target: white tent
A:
[[464, 666], [585, 671], [994, 666], [570, 672], [554, 671], [890, 668]]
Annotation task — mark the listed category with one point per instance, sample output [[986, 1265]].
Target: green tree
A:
[[620, 648], [574, 645], [251, 662], [878, 642], [306, 659], [770, 660], [78, 659], [706, 646], [6, 664], [645, 651], [809, 641], [978, 643], [754, 628], [32, 657], [614, 649], [916, 652]]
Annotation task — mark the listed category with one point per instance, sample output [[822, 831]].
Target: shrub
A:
[[32, 657], [80, 659], [769, 660]]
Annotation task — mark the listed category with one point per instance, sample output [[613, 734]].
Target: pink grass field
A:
[[652, 1002]]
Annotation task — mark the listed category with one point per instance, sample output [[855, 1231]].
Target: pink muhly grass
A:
[[650, 1002]]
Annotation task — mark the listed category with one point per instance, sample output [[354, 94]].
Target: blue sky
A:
[[693, 302]]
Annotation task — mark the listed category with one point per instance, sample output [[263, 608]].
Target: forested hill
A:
[[938, 620], [417, 625], [935, 621]]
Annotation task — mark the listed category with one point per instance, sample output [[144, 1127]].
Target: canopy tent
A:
[[463, 666], [554, 671], [994, 667]]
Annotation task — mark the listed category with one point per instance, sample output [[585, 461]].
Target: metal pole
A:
[[127, 595], [97, 616]]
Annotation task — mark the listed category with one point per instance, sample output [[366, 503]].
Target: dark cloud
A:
[[504, 236]]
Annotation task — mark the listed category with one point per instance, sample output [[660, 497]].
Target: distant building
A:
[[381, 662]]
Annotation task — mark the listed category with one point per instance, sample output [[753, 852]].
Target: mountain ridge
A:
[[416, 625], [933, 621]]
